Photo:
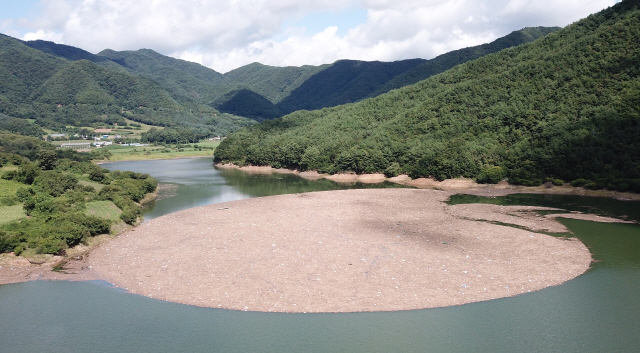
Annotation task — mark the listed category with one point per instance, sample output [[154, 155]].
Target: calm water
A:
[[596, 312]]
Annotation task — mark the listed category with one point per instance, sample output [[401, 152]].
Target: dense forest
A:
[[61, 192], [446, 61], [565, 107], [164, 91], [55, 92]]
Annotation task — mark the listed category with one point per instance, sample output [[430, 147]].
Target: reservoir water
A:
[[596, 312]]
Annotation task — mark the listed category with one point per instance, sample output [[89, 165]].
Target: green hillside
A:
[[247, 103], [57, 190], [69, 53], [184, 80], [345, 81], [20, 126], [446, 61], [565, 106], [22, 70], [55, 92], [273, 83]]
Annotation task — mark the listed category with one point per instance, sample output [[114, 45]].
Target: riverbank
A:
[[71, 266], [342, 251], [461, 185]]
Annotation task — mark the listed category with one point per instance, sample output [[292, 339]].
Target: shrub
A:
[[491, 175], [580, 182], [55, 183], [392, 170], [129, 216], [97, 175]]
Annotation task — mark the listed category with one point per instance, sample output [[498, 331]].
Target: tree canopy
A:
[[566, 106]]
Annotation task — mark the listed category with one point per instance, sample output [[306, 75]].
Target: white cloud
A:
[[44, 35], [226, 34]]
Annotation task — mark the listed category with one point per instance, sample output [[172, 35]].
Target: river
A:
[[596, 312]]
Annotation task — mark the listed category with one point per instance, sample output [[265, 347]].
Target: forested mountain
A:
[[55, 92], [247, 103], [166, 91], [566, 106], [20, 126], [186, 81], [446, 61], [68, 52], [345, 81], [273, 83]]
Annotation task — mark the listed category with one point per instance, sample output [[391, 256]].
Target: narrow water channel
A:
[[596, 312]]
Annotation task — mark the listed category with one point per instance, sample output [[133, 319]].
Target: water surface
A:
[[596, 312]]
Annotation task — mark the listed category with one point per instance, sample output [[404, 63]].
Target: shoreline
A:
[[460, 185], [76, 266], [384, 250]]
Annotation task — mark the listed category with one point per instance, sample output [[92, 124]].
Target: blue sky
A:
[[16, 9], [226, 34]]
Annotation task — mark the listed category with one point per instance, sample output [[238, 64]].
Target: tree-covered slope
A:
[[345, 81], [55, 91], [446, 61], [20, 126], [69, 52], [273, 83], [186, 81], [23, 69], [566, 106], [247, 103]]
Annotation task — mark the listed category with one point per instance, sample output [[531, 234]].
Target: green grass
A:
[[11, 213], [131, 153], [9, 187], [103, 209], [93, 184], [7, 168]]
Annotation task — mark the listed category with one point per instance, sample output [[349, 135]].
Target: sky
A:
[[227, 34]]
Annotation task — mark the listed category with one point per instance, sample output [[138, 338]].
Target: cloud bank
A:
[[228, 34]]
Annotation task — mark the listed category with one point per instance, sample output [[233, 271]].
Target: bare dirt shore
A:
[[338, 251], [461, 185]]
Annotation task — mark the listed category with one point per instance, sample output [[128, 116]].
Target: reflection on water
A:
[[596, 312], [199, 183]]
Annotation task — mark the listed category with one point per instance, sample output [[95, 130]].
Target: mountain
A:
[[446, 61], [22, 70], [273, 83], [286, 89], [566, 106], [247, 103], [345, 81], [186, 81], [54, 91], [68, 52]]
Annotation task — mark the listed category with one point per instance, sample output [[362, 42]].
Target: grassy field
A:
[[8, 187], [11, 213], [97, 186], [103, 209], [129, 153]]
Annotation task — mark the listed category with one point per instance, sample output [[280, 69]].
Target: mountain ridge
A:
[[566, 106]]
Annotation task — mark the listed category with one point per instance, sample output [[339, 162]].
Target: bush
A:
[[580, 182], [97, 175], [129, 216], [491, 175], [55, 183], [392, 170]]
